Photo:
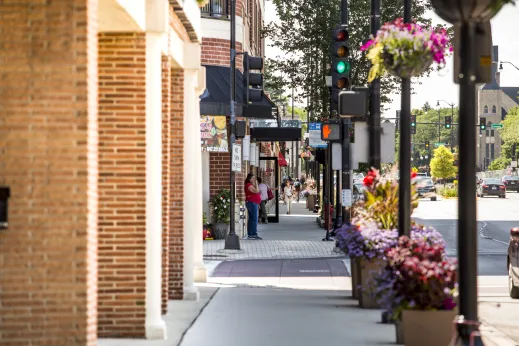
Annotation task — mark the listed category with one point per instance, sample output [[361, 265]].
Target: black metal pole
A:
[[452, 128], [346, 166], [439, 126], [232, 241], [467, 208], [404, 191], [374, 118]]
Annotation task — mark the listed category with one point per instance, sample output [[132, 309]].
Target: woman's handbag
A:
[[270, 195]]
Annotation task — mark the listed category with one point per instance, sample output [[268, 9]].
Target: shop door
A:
[[269, 172]]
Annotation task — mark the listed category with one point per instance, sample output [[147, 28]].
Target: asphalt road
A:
[[495, 218]]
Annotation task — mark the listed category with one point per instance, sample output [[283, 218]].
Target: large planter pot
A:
[[355, 277], [418, 63], [202, 3], [367, 270], [471, 10], [220, 230], [427, 327], [310, 202], [399, 329]]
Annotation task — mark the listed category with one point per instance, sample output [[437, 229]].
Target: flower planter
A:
[[367, 269], [416, 64], [399, 329], [202, 3], [428, 327], [310, 202], [220, 230], [355, 277]]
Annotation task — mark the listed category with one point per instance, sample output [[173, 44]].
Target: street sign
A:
[[497, 126], [439, 144], [514, 164], [236, 158], [331, 131], [346, 198], [314, 136]]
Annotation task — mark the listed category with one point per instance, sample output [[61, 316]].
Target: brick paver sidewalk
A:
[[295, 236]]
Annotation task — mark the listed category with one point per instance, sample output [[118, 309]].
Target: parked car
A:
[[513, 263], [425, 188], [511, 182], [491, 187], [358, 191]]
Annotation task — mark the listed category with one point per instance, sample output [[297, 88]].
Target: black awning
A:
[[216, 97], [275, 134]]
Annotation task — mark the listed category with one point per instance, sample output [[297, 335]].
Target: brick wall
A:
[[166, 166], [215, 51], [48, 142], [176, 242], [122, 189]]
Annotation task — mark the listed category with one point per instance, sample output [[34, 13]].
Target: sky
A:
[[440, 85]]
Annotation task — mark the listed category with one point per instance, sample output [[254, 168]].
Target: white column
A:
[[192, 183], [155, 326]]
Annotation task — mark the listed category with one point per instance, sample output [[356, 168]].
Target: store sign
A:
[[314, 137], [213, 133], [236, 158]]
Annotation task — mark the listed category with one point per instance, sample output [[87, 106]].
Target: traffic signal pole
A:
[[232, 241]]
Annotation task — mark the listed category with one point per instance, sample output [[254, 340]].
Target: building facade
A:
[[494, 102], [100, 150]]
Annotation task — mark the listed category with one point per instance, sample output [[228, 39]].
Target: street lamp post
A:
[[452, 115], [507, 62]]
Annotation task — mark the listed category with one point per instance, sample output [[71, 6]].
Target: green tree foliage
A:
[[499, 164], [303, 33], [442, 163], [510, 132]]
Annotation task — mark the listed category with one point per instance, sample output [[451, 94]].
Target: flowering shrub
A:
[[221, 206], [366, 240], [418, 276], [380, 203], [405, 49]]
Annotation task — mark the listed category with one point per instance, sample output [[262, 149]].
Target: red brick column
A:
[[48, 141], [166, 176], [176, 238], [122, 189]]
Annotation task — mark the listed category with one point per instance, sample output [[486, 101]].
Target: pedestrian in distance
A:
[[288, 192], [297, 188], [264, 192], [252, 202]]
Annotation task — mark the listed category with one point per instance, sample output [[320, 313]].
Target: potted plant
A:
[[221, 211], [420, 287], [202, 3], [405, 50], [207, 232]]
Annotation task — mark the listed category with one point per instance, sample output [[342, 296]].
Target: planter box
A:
[[367, 269], [310, 202], [428, 328], [399, 329], [355, 277]]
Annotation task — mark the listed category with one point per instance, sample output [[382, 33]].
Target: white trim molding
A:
[[221, 28]]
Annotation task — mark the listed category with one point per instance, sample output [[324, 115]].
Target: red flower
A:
[[413, 175], [368, 180]]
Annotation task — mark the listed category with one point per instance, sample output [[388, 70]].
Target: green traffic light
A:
[[343, 67]]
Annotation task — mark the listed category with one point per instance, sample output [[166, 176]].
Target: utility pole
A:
[[374, 116], [232, 241]]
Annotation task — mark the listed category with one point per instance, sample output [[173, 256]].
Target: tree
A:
[[304, 35], [442, 164], [429, 132], [499, 164], [510, 131]]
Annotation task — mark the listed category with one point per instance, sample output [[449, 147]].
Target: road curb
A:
[[494, 337]]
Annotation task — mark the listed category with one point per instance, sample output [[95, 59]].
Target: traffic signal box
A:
[[448, 122], [331, 131], [413, 124], [253, 80], [483, 124], [340, 63], [427, 145]]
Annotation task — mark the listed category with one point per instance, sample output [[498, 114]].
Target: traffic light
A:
[[340, 62], [413, 124], [253, 81], [427, 145], [483, 124], [331, 131], [448, 122]]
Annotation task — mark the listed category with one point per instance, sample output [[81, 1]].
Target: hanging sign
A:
[[213, 133], [236, 158]]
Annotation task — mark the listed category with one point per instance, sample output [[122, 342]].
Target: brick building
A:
[[99, 109], [215, 101], [494, 102]]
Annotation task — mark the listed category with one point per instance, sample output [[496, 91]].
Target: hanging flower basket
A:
[[202, 3], [406, 50]]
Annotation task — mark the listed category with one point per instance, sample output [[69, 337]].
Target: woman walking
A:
[[252, 202], [288, 192]]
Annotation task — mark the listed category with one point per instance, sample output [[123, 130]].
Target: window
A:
[[494, 109], [487, 150], [485, 110], [492, 133], [215, 9], [487, 133], [492, 151]]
